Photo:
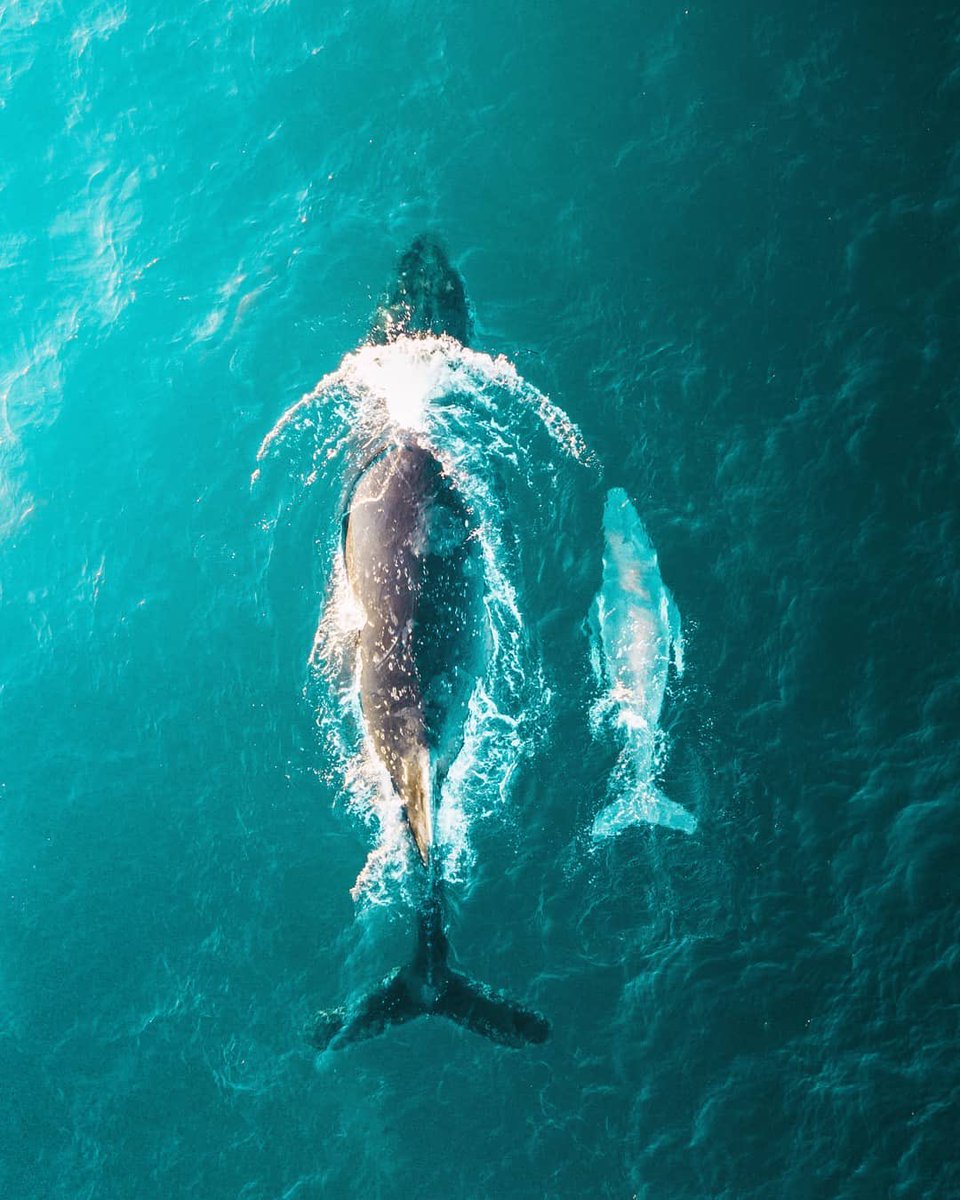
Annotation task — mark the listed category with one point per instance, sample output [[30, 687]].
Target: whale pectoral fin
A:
[[645, 805], [389, 1004], [489, 1013]]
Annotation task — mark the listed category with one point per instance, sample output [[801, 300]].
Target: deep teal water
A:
[[724, 238]]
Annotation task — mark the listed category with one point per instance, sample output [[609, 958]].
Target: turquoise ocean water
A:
[[722, 238]]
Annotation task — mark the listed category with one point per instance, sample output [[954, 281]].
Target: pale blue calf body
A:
[[637, 628]]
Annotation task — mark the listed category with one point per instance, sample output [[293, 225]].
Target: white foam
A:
[[399, 385]]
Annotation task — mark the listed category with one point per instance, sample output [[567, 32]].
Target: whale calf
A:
[[636, 627], [413, 566]]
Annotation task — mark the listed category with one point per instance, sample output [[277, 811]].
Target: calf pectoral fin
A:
[[676, 631]]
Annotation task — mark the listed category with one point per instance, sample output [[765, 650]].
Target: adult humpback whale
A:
[[413, 567]]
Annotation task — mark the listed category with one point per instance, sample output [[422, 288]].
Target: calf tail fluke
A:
[[644, 805]]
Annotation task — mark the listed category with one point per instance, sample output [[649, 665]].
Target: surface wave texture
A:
[[723, 239]]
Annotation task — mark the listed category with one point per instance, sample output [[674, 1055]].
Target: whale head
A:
[[427, 297]]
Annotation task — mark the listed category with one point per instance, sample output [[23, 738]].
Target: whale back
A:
[[427, 298], [414, 568]]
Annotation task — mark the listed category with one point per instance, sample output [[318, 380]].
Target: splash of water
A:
[[402, 385]]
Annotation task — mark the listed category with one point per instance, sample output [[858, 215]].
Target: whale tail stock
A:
[[429, 986]]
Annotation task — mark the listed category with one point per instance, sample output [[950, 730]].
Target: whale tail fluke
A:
[[429, 986], [399, 999], [490, 1013], [645, 805]]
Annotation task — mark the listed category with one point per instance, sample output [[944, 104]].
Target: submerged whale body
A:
[[413, 566], [636, 627]]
